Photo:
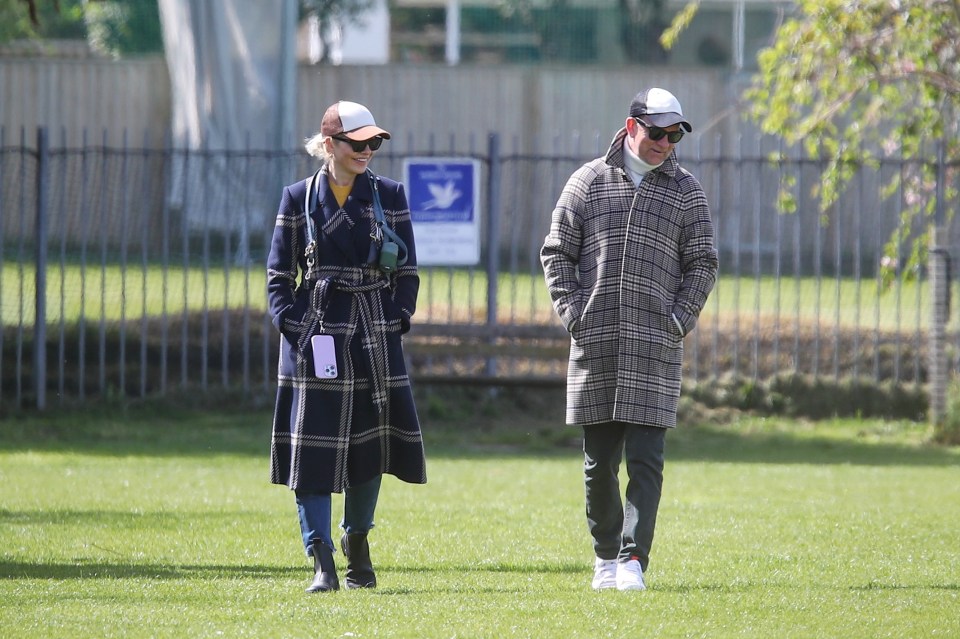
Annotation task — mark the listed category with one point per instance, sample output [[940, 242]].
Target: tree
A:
[[854, 80], [642, 26], [330, 14], [30, 19], [32, 10], [641, 23], [123, 27], [115, 27]]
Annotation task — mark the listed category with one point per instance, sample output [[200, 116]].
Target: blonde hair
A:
[[315, 147]]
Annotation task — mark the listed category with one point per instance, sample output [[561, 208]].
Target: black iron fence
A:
[[136, 268]]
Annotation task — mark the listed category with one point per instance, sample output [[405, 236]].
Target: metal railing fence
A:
[[147, 268]]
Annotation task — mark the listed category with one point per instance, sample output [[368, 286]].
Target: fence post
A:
[[40, 276], [940, 292], [493, 242]]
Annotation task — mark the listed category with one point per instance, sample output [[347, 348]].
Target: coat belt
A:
[[372, 321]]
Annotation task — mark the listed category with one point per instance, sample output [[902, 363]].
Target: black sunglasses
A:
[[360, 145], [656, 133]]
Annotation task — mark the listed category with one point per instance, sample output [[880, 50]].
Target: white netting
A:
[[231, 66]]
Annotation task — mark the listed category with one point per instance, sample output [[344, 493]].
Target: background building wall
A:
[[560, 113], [528, 106]]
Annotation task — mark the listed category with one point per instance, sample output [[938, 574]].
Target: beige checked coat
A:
[[629, 270]]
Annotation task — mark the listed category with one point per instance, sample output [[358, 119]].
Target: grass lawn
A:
[[111, 293], [157, 520]]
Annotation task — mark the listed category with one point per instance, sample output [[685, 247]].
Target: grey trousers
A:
[[623, 530]]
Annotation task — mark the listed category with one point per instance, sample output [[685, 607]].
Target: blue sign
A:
[[444, 199]]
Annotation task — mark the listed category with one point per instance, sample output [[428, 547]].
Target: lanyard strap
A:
[[311, 250]]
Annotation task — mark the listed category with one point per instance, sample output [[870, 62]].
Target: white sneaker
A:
[[604, 574], [630, 576]]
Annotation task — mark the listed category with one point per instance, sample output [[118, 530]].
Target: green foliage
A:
[[15, 21], [61, 20], [113, 27], [850, 80], [680, 22], [566, 32], [124, 27]]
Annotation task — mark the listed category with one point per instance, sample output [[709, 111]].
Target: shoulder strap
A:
[[308, 203], [378, 212], [311, 249]]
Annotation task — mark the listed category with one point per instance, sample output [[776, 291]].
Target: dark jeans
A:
[[621, 531], [359, 505]]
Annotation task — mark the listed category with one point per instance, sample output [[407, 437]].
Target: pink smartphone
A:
[[324, 356]]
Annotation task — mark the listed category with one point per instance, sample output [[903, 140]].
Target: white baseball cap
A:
[[660, 107], [353, 120]]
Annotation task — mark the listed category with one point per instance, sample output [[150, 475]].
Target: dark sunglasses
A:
[[360, 145], [656, 133]]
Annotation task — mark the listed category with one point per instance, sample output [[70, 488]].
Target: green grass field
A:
[[446, 295], [159, 521]]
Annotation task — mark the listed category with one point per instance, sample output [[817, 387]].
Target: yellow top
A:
[[340, 192]]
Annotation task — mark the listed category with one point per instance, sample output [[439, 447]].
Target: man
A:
[[629, 262]]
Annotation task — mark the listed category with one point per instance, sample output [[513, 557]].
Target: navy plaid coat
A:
[[329, 434], [629, 270]]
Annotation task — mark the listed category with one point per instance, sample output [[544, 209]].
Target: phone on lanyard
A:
[[324, 356]]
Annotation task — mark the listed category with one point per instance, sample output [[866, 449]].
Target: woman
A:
[[348, 273]]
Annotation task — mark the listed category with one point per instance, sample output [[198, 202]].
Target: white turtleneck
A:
[[636, 168]]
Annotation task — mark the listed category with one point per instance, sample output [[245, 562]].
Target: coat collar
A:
[[338, 223]]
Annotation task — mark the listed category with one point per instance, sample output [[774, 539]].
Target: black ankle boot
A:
[[359, 569], [325, 577]]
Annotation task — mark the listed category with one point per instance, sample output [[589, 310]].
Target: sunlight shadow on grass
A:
[[569, 568], [114, 519], [172, 431], [120, 570], [877, 586], [445, 588]]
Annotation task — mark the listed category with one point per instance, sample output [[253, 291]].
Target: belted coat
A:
[[628, 268], [329, 434]]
